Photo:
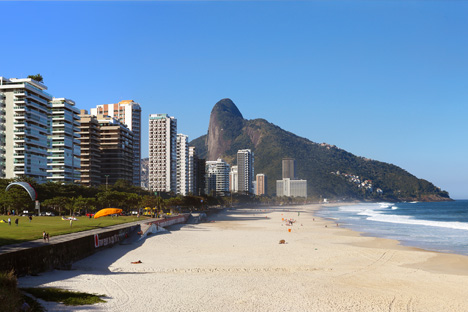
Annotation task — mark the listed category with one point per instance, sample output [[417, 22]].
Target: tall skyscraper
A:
[[182, 164], [90, 157], [24, 128], [116, 151], [128, 113], [217, 177], [162, 153], [64, 153], [245, 169], [289, 168], [261, 184]]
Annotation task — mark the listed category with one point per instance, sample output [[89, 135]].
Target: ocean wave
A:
[[398, 219]]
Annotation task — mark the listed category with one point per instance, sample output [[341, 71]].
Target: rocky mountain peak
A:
[[226, 123]]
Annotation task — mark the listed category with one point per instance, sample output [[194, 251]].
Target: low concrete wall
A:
[[159, 225], [60, 255]]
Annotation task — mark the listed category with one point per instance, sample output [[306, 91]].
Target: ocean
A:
[[438, 226]]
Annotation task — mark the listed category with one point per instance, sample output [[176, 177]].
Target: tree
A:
[[57, 203], [37, 77]]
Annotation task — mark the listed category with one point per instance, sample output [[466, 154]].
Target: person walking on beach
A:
[[16, 221]]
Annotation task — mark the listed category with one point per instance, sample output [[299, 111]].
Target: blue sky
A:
[[387, 80]]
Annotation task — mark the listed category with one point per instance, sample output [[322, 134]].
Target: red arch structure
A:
[[31, 191]]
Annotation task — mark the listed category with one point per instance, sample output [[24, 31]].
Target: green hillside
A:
[[330, 172]]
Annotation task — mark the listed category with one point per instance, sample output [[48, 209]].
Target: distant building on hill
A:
[[290, 186], [289, 168]]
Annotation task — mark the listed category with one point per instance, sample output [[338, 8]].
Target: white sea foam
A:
[[376, 215], [394, 207]]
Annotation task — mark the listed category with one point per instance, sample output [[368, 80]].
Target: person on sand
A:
[[136, 262]]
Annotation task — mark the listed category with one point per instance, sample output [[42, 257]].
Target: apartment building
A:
[[90, 157], [24, 128], [162, 153], [233, 179], [192, 170], [217, 177], [182, 159], [261, 184], [128, 112], [245, 169], [116, 151], [64, 152]]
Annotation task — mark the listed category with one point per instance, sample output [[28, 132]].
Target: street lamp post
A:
[[107, 177]]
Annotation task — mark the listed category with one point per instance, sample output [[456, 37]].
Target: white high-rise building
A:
[[217, 177], [182, 164], [291, 188], [233, 178], [128, 113], [245, 169], [162, 153], [64, 153], [24, 128]]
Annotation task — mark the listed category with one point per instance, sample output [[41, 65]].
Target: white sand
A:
[[237, 264]]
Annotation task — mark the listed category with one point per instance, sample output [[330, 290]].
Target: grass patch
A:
[[64, 296], [34, 306], [12, 299], [28, 231]]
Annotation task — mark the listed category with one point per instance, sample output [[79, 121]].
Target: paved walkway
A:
[[68, 237]]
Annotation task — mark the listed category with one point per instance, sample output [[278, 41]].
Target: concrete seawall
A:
[[37, 256]]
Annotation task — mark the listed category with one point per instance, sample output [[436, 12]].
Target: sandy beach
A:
[[235, 262]]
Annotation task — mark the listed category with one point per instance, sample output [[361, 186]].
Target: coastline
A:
[[439, 262], [235, 263]]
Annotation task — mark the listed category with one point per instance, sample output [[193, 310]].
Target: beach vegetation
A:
[[11, 298], [67, 297]]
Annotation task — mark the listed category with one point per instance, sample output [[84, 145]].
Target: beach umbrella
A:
[[106, 212]]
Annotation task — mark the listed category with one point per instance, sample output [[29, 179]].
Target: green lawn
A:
[[27, 231]]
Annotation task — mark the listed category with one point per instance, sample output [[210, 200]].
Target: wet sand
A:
[[236, 263]]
